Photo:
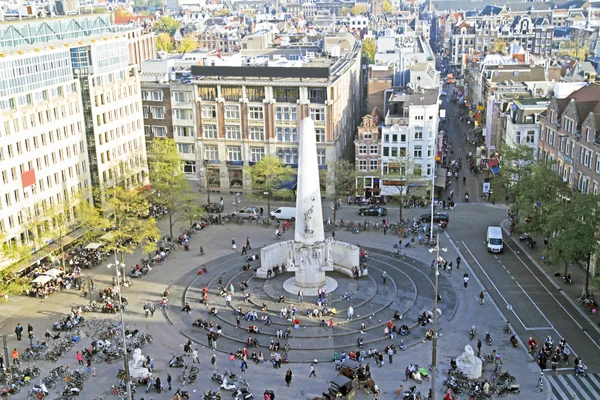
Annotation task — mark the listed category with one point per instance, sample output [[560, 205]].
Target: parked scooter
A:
[[510, 388], [472, 332], [242, 394], [176, 362], [228, 385]]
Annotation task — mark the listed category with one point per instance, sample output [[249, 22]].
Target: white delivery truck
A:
[[495, 242], [284, 213]]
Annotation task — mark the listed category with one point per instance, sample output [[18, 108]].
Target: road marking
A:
[[492, 282], [554, 298], [537, 308]]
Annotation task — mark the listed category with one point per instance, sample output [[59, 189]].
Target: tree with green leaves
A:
[[500, 46], [359, 9], [369, 49], [387, 7], [268, 175], [167, 25], [187, 44], [408, 176], [575, 226], [341, 179], [164, 42], [515, 163], [167, 178], [124, 211]]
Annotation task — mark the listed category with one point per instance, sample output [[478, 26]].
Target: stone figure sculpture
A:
[[308, 223], [469, 364]]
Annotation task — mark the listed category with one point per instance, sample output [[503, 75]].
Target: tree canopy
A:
[[164, 42], [369, 49], [341, 178], [269, 174], [387, 7], [187, 44], [516, 162], [408, 175], [167, 25]]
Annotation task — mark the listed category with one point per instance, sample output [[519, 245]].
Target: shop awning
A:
[[42, 279], [440, 177], [94, 246], [291, 184], [107, 237], [53, 272], [495, 170]]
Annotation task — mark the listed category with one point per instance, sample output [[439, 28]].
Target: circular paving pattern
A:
[[409, 290], [290, 286]]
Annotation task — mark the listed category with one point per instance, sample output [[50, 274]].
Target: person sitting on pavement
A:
[[404, 330], [186, 307]]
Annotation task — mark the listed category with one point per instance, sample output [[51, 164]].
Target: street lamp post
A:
[[125, 358], [435, 316]]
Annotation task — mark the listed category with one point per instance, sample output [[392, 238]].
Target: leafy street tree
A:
[[500, 46], [406, 174], [578, 47], [574, 226], [516, 162], [122, 12], [268, 174], [345, 11], [359, 9], [167, 178], [187, 44], [341, 178], [125, 213], [387, 7], [167, 25], [369, 49], [164, 43]]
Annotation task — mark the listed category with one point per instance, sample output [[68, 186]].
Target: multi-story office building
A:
[[71, 115], [519, 122], [230, 116]]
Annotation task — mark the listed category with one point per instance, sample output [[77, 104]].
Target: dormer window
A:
[[368, 135]]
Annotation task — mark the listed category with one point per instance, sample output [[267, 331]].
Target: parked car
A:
[[372, 210], [247, 213], [437, 217], [213, 208]]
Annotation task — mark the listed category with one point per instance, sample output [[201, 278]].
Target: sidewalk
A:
[[573, 290]]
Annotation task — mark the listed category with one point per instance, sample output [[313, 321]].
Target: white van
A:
[[284, 213], [494, 241]]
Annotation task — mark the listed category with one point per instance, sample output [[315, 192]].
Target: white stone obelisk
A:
[[309, 235]]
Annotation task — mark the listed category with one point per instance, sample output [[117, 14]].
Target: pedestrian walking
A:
[[288, 377], [333, 234], [195, 356], [15, 357], [84, 289], [213, 362], [31, 339], [385, 230], [384, 277], [390, 355], [350, 313], [214, 342], [312, 371], [466, 281], [244, 252], [79, 358], [152, 310], [233, 246], [19, 331], [1, 362], [381, 359], [147, 309], [238, 322], [231, 359], [407, 373], [89, 366], [248, 243], [92, 284], [169, 379], [244, 366], [481, 299], [458, 260], [220, 283], [479, 345], [300, 295]]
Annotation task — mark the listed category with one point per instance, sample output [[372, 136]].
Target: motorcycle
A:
[[242, 394], [514, 341], [472, 332], [228, 385], [39, 391], [71, 390], [466, 198], [567, 278], [211, 395], [424, 373], [510, 388], [411, 394], [217, 377], [508, 328], [580, 369], [176, 362], [488, 338], [183, 394], [417, 377]]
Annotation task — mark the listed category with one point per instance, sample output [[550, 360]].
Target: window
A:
[[184, 131], [256, 153], [186, 148], [233, 132], [362, 165], [211, 152], [255, 93], [287, 134], [373, 165], [285, 113], [530, 138], [368, 135], [320, 135], [146, 111], [231, 93], [419, 118], [317, 114], [288, 155], [394, 152], [234, 153], [517, 137], [183, 114], [158, 112], [418, 133], [386, 151], [189, 167], [209, 131], [317, 95], [207, 93], [152, 95], [159, 131], [362, 149], [182, 97], [256, 133], [597, 163], [321, 157], [232, 112], [285, 95], [209, 111], [417, 152], [256, 113]]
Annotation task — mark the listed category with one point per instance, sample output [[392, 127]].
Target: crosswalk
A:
[[571, 387]]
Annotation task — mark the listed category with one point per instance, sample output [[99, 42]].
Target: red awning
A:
[[493, 162]]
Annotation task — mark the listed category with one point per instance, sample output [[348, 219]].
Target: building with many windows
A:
[[71, 116], [237, 114]]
